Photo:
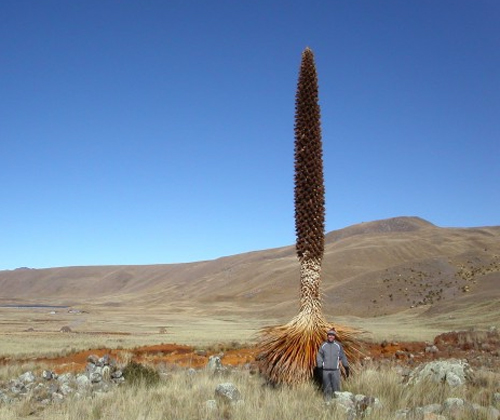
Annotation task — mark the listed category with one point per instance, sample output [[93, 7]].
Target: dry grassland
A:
[[31, 332], [28, 332], [182, 396]]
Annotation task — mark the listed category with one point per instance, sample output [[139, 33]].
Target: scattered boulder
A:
[[83, 382], [344, 399], [355, 406], [52, 388], [227, 392], [4, 398], [453, 372], [27, 378], [48, 375], [214, 364]]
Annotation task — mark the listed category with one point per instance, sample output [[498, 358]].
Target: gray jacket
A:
[[330, 355]]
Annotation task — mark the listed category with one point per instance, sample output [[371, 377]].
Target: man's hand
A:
[[347, 371]]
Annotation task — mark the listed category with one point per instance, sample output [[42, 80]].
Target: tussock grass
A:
[[179, 395]]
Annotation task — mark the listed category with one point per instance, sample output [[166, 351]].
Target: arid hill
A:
[[370, 269]]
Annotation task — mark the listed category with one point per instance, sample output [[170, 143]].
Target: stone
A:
[[95, 377], [345, 399], [453, 380], [104, 360], [4, 398], [227, 392], [17, 387], [93, 359], [82, 381], [27, 377], [453, 372], [57, 398], [65, 377], [47, 375], [51, 388], [65, 389], [364, 401], [119, 380], [214, 364]]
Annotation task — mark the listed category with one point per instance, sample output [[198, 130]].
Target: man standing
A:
[[330, 355]]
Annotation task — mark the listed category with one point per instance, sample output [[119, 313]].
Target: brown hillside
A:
[[371, 269]]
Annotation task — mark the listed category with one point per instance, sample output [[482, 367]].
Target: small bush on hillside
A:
[[136, 373]]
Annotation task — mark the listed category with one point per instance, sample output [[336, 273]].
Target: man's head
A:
[[331, 334]]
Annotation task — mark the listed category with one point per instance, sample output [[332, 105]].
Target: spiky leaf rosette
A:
[[309, 183], [288, 352]]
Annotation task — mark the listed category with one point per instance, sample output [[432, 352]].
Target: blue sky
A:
[[162, 131]]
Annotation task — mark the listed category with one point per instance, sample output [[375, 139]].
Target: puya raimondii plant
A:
[[288, 352]]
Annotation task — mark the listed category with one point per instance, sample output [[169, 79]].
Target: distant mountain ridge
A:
[[369, 269], [395, 224]]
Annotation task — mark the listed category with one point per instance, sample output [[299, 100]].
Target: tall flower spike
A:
[[309, 182]]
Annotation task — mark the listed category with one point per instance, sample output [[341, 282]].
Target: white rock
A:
[[66, 389], [453, 380], [47, 375], [228, 392], [27, 377], [82, 381]]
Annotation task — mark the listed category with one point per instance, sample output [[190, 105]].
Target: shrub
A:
[[136, 373]]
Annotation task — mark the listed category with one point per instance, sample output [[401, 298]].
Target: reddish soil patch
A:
[[169, 354], [478, 348]]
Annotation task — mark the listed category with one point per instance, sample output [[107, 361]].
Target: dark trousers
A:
[[331, 382]]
